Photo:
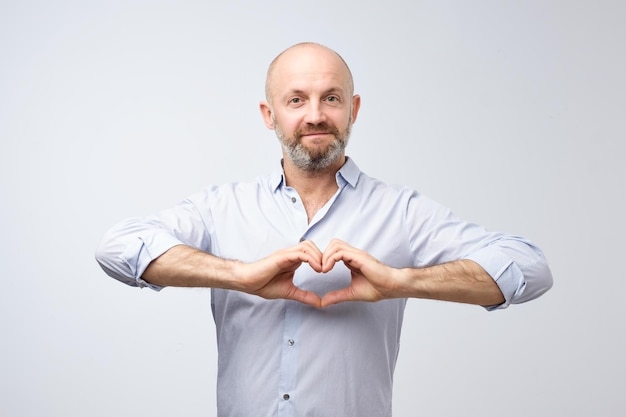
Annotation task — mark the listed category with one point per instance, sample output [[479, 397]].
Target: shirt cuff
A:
[[504, 271], [152, 247]]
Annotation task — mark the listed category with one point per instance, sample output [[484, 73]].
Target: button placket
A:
[[294, 208], [289, 359]]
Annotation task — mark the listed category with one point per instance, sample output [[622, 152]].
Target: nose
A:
[[314, 113]]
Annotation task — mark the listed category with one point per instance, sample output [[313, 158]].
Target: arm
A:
[[174, 249], [270, 277], [439, 239], [140, 253], [462, 281]]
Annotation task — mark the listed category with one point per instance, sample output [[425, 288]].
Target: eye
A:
[[295, 100], [332, 99]]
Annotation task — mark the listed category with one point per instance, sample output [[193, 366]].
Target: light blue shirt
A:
[[283, 358]]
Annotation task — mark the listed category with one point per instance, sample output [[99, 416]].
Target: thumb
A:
[[306, 297], [337, 296]]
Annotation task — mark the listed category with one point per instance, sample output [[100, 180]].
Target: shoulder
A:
[[364, 183], [372, 186], [397, 196], [235, 190]]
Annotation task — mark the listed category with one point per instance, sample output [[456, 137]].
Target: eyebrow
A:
[[329, 91]]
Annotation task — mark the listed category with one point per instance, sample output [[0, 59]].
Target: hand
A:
[[272, 276], [371, 279]]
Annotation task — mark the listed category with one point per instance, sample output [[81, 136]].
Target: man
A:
[[310, 268]]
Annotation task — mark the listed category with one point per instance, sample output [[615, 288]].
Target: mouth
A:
[[310, 134]]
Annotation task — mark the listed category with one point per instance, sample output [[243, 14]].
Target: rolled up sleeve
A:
[[519, 269], [129, 247], [125, 255]]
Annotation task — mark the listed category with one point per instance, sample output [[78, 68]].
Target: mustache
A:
[[322, 127]]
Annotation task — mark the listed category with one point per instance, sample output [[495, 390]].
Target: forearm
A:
[[184, 266], [270, 277], [462, 281]]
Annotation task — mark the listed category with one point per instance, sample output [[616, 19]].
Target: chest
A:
[[250, 229]]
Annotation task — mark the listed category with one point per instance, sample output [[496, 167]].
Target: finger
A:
[[351, 257], [310, 244], [336, 297], [335, 245], [329, 257], [312, 254], [329, 263], [336, 241], [303, 252], [306, 297]]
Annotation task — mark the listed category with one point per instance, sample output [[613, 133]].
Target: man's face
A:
[[312, 107]]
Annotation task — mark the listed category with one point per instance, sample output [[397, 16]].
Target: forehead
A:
[[307, 68]]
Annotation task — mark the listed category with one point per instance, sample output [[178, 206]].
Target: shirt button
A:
[[285, 397], [293, 199], [290, 342]]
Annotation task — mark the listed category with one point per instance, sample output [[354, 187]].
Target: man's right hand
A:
[[272, 276]]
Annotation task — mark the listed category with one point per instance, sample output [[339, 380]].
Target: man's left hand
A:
[[371, 279]]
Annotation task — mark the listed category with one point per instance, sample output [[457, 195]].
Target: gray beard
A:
[[309, 161]]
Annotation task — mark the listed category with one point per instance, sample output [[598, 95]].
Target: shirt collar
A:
[[349, 173]]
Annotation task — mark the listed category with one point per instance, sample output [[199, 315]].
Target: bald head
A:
[[302, 52]]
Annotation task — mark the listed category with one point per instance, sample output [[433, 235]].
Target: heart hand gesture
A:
[[272, 276]]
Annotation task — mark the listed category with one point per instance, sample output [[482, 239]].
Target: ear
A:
[[356, 105], [266, 113]]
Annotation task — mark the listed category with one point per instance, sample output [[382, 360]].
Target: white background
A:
[[510, 112]]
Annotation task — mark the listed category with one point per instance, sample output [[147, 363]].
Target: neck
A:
[[306, 182], [314, 187]]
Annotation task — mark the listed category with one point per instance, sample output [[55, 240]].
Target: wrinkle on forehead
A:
[[296, 59]]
